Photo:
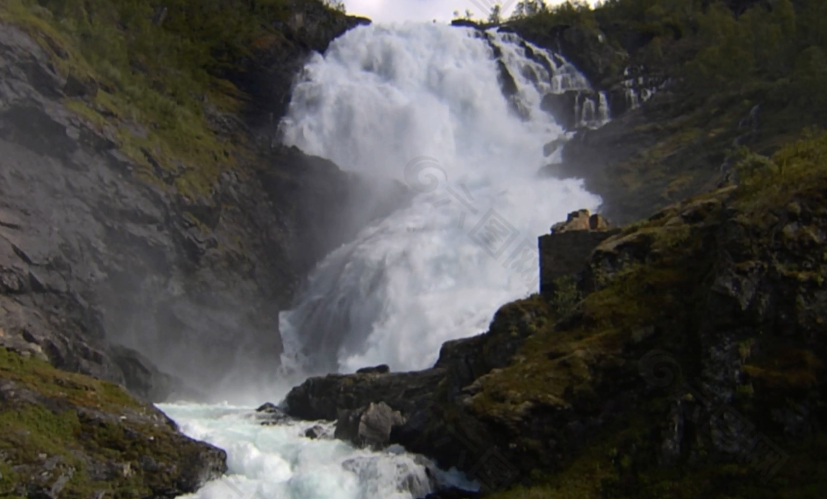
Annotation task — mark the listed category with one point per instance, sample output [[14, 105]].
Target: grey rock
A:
[[314, 432], [269, 414], [368, 426]]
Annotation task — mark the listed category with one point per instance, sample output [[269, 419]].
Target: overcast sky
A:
[[423, 10]]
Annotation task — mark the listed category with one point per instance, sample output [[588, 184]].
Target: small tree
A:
[[495, 17]]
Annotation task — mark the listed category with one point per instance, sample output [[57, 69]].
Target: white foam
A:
[[380, 97], [279, 462]]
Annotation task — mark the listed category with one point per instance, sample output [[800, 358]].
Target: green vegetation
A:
[[152, 69], [777, 180], [88, 435], [657, 298], [773, 49]]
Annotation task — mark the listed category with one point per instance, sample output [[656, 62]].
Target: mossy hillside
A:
[[156, 75], [614, 466], [78, 437], [654, 286]]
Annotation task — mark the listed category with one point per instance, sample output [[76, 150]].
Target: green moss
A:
[[566, 295], [156, 75], [76, 422], [75, 388]]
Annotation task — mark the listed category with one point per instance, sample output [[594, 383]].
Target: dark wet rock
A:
[[381, 369], [269, 414], [552, 147], [368, 426], [76, 87], [453, 493], [466, 23], [269, 408], [268, 73], [314, 432], [322, 397]]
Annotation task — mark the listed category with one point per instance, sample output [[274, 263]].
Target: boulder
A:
[[269, 414], [368, 426], [314, 432]]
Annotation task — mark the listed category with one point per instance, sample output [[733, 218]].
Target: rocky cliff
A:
[[684, 360], [116, 248]]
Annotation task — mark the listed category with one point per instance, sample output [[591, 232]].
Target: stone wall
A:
[[566, 251]]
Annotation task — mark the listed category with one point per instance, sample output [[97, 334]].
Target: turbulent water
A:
[[423, 104], [278, 462]]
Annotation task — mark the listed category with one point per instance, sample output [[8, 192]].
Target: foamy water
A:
[[423, 103], [279, 462]]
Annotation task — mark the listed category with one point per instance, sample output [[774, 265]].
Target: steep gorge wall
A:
[[95, 252]]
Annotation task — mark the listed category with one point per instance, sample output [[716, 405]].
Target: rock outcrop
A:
[[381, 369], [67, 435]]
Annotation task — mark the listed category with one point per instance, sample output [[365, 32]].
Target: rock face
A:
[[695, 333], [268, 74], [570, 108], [323, 397], [97, 252], [565, 252]]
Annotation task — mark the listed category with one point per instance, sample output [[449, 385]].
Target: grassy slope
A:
[[56, 426]]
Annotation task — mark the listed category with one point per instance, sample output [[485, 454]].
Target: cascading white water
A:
[[423, 104], [437, 269], [280, 462]]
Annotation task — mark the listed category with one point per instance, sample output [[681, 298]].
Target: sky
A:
[[424, 10]]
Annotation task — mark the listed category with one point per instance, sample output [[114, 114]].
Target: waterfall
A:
[[426, 104], [453, 113]]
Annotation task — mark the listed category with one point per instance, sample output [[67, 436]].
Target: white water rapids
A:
[[424, 104]]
